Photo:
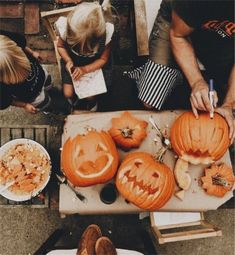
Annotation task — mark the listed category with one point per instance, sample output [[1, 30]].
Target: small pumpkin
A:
[[89, 159], [145, 182], [218, 180], [127, 131], [200, 141]]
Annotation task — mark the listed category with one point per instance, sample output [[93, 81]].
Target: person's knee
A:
[[68, 91], [91, 98], [147, 106]]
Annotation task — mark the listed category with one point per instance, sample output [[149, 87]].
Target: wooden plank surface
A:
[[141, 28], [13, 10], [31, 18], [40, 136], [16, 133], [5, 135], [28, 133]]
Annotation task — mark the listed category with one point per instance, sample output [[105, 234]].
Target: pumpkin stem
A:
[[159, 155], [127, 132], [218, 180]]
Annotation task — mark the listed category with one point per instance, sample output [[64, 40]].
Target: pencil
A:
[[211, 97]]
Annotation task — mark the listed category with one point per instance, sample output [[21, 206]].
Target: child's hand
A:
[[37, 55], [78, 72], [69, 66], [30, 108]]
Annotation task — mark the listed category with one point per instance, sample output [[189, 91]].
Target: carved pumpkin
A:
[[218, 180], [89, 159], [200, 141], [127, 131], [145, 182]]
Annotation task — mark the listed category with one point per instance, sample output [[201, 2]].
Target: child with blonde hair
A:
[[84, 44], [22, 79]]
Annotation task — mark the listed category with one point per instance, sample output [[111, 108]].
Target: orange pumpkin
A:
[[145, 182], [218, 180], [200, 141], [127, 131], [89, 159]]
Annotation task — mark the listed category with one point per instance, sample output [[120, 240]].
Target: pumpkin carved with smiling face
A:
[[144, 182], [200, 141], [127, 131], [89, 159]]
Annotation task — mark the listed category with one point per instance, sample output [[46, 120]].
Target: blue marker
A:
[[211, 97]]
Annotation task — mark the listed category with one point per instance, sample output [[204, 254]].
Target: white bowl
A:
[[17, 197]]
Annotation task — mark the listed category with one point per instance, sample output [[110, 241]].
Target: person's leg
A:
[[159, 43], [68, 90], [67, 83], [159, 75]]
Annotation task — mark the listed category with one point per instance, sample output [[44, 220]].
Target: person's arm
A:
[[64, 54], [226, 109], [97, 64], [35, 54], [186, 58], [28, 107]]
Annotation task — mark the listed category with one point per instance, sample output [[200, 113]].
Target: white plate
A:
[[16, 197]]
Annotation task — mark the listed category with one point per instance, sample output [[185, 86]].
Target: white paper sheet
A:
[[171, 218], [90, 84]]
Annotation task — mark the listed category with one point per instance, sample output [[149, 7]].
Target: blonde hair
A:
[[87, 25], [14, 64]]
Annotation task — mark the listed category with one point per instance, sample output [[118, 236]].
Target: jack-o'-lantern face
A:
[[144, 182], [200, 141], [89, 159]]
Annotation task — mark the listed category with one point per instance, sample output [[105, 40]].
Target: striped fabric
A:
[[154, 82]]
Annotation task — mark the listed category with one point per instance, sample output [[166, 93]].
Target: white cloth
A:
[[73, 252], [61, 29], [41, 97]]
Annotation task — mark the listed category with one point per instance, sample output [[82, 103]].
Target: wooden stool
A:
[[49, 18], [176, 220]]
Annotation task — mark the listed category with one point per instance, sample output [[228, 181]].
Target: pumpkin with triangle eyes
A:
[[127, 131], [200, 141], [218, 180], [145, 182], [89, 159]]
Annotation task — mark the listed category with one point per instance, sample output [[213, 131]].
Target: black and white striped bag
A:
[[154, 82]]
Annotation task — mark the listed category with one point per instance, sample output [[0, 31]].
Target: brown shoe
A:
[[86, 245], [104, 246]]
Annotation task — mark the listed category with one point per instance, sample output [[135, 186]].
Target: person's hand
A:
[[69, 66], [37, 55], [78, 72], [227, 113], [30, 108], [199, 98]]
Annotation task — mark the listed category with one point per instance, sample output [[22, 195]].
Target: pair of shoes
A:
[[93, 243]]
